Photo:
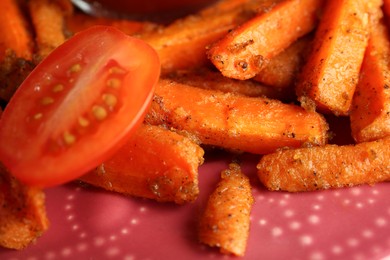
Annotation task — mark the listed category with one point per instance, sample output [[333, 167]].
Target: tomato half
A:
[[78, 106]]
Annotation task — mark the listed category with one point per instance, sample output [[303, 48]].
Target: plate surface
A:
[[351, 223]]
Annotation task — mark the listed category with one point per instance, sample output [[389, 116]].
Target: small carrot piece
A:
[[225, 222], [48, 20], [370, 106], [182, 44], [331, 72], [79, 21], [156, 163], [23, 216], [246, 50], [282, 70], [14, 31], [210, 79], [330, 166], [235, 122]]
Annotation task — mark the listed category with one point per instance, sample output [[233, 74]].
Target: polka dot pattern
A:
[[349, 223]]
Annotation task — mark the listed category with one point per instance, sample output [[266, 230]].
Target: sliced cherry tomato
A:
[[78, 106]]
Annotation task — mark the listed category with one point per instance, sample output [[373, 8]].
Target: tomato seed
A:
[[69, 138], [99, 112], [75, 68], [114, 83], [83, 122], [38, 116], [110, 100], [47, 101], [58, 88]]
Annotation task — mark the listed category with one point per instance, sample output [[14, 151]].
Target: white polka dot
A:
[[316, 256], [359, 205], [142, 209], [113, 251], [375, 192], [83, 235], [282, 202], [66, 251], [306, 240], [129, 257], [124, 231], [337, 250], [99, 241], [134, 221], [50, 255], [289, 213], [70, 217], [356, 191], [381, 222], [320, 197], [367, 233], [70, 197], [295, 225], [346, 202], [262, 222], [68, 207], [82, 247], [113, 237], [286, 196], [277, 231], [316, 207], [271, 200], [353, 242], [314, 219], [260, 197], [371, 201], [75, 227], [336, 193]]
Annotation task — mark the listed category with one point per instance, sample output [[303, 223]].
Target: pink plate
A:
[[351, 223]]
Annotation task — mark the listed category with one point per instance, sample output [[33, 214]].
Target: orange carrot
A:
[[208, 79], [226, 220], [23, 216], [79, 21], [282, 70], [331, 73], [330, 166], [14, 31], [156, 164], [235, 122], [48, 20], [182, 44], [246, 50], [370, 107]]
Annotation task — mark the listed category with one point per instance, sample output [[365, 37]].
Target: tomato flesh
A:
[[78, 106]]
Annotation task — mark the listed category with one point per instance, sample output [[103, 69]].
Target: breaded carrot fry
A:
[[48, 20], [226, 220], [208, 79], [14, 31], [331, 73], [234, 122], [156, 164], [182, 44], [330, 166], [370, 110], [246, 50], [282, 70], [23, 215], [79, 21]]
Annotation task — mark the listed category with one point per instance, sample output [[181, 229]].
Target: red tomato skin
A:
[[44, 138]]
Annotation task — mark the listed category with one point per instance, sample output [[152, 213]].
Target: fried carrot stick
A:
[[182, 44], [226, 220], [282, 70], [23, 216], [79, 21], [210, 79], [370, 110], [331, 73], [48, 19], [330, 166], [14, 31], [235, 122], [156, 164], [246, 50]]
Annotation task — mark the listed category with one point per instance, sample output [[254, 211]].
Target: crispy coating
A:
[[225, 222], [330, 166], [22, 212]]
